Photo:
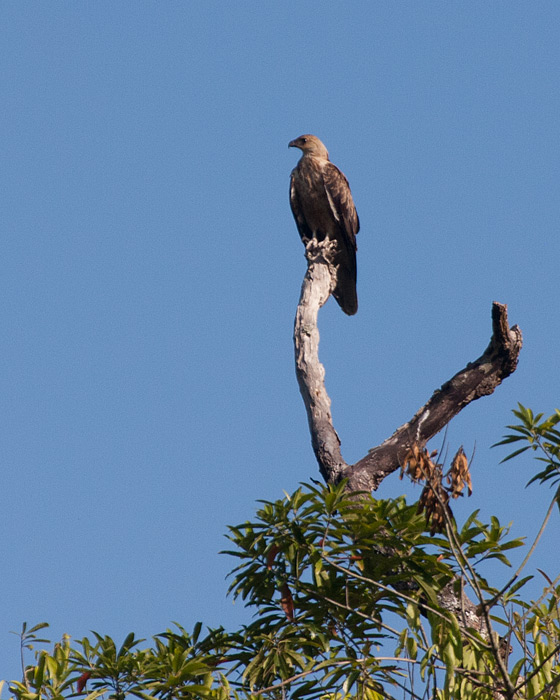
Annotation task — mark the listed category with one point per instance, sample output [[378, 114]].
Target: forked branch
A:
[[477, 379]]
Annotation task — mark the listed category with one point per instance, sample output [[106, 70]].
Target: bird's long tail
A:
[[345, 291]]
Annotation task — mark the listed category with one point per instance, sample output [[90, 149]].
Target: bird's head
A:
[[310, 145]]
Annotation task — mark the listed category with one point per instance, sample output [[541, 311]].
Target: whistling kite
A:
[[323, 208]]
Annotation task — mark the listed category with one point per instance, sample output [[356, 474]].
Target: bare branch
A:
[[315, 290], [477, 379]]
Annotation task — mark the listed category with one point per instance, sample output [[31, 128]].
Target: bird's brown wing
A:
[[344, 212], [342, 204], [297, 210]]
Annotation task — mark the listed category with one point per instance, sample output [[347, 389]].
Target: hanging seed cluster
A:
[[420, 467]]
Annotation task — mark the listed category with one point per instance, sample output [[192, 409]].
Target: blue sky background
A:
[[151, 269]]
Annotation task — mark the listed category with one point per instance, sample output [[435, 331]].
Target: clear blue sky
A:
[[151, 269]]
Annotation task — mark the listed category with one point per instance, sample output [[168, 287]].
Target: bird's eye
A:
[[304, 140]]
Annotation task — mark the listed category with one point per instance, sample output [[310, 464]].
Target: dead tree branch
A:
[[315, 290], [477, 379]]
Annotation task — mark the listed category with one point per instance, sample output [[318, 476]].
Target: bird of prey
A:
[[323, 208]]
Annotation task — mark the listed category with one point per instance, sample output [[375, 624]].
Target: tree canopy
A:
[[352, 597]]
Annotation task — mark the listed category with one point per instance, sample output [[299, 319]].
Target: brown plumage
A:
[[323, 208]]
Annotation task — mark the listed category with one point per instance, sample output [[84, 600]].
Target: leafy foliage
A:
[[353, 598], [540, 435], [177, 666]]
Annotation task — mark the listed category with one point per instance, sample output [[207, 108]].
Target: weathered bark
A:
[[477, 379], [315, 290]]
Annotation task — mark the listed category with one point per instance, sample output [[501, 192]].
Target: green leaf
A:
[[196, 632], [516, 453], [516, 586], [412, 647]]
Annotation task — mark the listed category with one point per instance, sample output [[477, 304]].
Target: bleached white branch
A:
[[315, 290]]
